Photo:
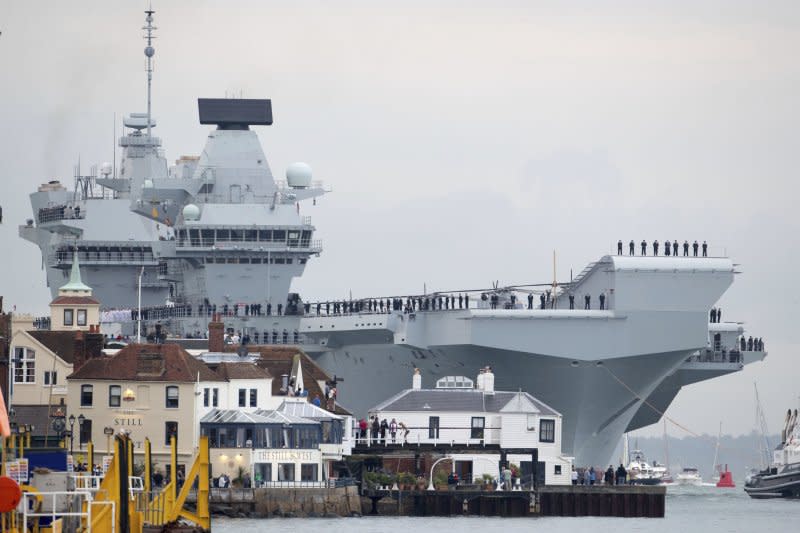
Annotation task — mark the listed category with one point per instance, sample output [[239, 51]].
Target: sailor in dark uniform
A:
[[705, 249], [666, 247], [675, 248], [619, 247], [530, 301], [694, 247], [587, 302], [655, 247], [685, 248], [630, 248], [644, 247]]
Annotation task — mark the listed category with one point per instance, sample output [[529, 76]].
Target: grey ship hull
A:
[[596, 408]]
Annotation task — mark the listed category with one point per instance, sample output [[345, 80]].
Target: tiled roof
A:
[[74, 300], [36, 415], [243, 370], [147, 362], [459, 400], [278, 361], [61, 343]]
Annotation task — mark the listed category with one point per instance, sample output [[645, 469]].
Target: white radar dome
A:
[[106, 169], [298, 175], [191, 212]]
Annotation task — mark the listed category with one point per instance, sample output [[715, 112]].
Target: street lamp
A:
[[71, 426], [109, 432], [81, 420]]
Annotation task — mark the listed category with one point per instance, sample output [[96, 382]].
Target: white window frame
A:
[[50, 378], [25, 365], [81, 317], [167, 397]]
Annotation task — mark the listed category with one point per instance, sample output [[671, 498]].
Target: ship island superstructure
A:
[[168, 248]]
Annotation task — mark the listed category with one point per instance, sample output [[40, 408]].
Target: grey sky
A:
[[464, 141]]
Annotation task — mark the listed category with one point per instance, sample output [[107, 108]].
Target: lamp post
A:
[[81, 420], [71, 426], [108, 432]]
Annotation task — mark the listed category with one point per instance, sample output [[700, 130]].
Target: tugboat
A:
[[781, 479]]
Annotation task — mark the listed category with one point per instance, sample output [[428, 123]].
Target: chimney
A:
[[416, 380], [216, 335], [488, 381], [79, 350]]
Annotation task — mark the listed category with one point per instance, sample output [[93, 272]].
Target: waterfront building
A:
[[459, 413], [41, 360], [296, 444]]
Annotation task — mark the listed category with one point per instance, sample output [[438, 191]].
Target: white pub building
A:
[[460, 414]]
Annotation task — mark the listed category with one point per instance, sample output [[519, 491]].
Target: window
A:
[[242, 397], [285, 471], [172, 397], [476, 428], [308, 472], [433, 427], [68, 317], [86, 395], [215, 397], [50, 377], [557, 470], [170, 430], [25, 368], [86, 431], [206, 394], [114, 395], [253, 397], [81, 317], [531, 422], [547, 430]]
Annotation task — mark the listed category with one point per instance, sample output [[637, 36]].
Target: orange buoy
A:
[[10, 494], [726, 479]]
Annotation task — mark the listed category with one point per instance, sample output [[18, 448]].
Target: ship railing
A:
[[60, 212], [716, 356], [411, 436], [250, 245]]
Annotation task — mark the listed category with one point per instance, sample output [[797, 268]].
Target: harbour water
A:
[[689, 510]]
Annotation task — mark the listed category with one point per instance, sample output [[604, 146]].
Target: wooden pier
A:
[[629, 501]]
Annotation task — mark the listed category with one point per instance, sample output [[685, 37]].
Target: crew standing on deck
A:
[[655, 248], [675, 248], [685, 248], [694, 248], [602, 301], [530, 301], [630, 248], [705, 249], [587, 302], [644, 247], [619, 247]]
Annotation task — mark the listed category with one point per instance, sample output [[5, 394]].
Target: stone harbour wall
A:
[[286, 502]]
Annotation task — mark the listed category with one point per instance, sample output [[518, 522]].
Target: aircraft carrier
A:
[[218, 234]]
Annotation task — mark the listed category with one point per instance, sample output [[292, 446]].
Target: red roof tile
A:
[[147, 362]]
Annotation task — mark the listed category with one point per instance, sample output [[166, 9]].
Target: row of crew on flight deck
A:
[[669, 248]]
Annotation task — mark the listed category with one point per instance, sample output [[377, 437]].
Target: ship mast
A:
[[149, 52]]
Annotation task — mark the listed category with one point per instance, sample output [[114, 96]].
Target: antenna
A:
[[149, 52]]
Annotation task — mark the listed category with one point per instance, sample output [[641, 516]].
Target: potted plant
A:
[[440, 481], [385, 481], [488, 481], [406, 480], [371, 480]]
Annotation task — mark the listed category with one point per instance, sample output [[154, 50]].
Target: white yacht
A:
[[689, 476]]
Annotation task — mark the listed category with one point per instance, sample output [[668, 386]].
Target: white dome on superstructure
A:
[[191, 212], [298, 175]]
